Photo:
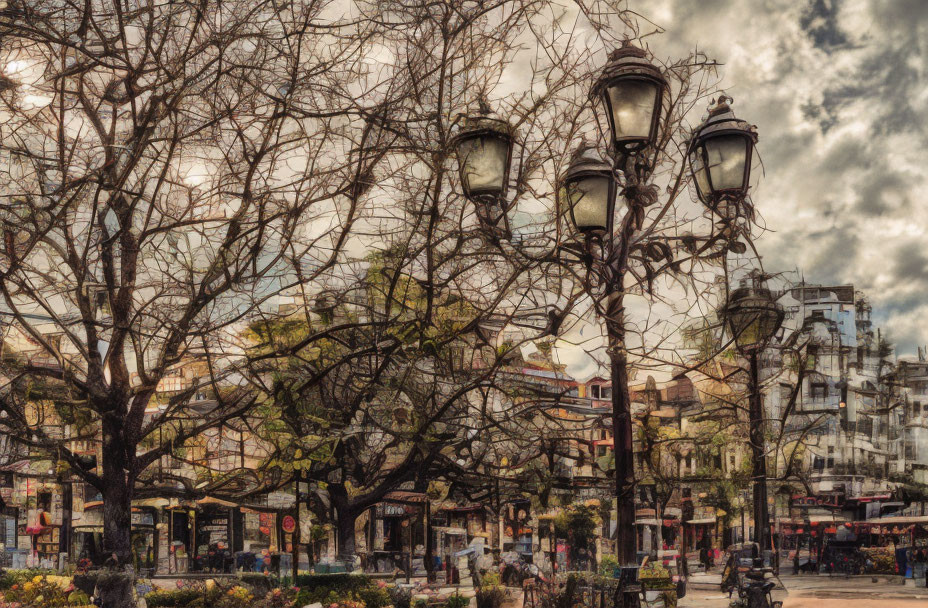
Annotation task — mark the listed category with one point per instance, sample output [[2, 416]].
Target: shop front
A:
[[142, 538], [31, 516], [193, 538], [400, 532], [214, 536], [518, 533]]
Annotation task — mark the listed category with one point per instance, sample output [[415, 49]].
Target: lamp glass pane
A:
[[483, 163], [699, 173], [753, 326], [726, 156], [632, 102], [589, 202]]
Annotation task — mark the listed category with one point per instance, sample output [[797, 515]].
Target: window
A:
[[916, 408], [818, 464], [818, 390], [811, 356], [594, 391]]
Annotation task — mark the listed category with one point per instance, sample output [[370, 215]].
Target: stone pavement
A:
[[818, 592]]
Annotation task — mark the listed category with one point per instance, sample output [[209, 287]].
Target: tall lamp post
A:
[[631, 92], [753, 317]]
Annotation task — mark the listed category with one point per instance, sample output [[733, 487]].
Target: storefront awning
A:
[[646, 522], [464, 509], [402, 496], [210, 500], [156, 503], [451, 531], [89, 529], [696, 522], [899, 519]]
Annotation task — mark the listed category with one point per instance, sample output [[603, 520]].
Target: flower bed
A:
[[44, 590], [332, 591], [881, 560]]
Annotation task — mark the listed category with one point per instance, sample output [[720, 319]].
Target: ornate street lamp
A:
[[590, 189], [484, 150], [720, 159], [631, 90], [753, 317]]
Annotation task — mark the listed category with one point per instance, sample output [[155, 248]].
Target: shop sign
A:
[[143, 519], [828, 501], [288, 524], [389, 510], [280, 500]]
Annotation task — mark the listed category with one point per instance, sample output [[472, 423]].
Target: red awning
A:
[[606, 442]]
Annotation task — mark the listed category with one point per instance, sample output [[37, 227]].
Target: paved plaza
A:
[[822, 592]]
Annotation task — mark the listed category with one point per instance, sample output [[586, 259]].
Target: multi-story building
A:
[[839, 410], [908, 407]]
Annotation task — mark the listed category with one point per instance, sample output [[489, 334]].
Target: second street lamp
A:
[[590, 191], [753, 318], [483, 147], [720, 160], [631, 91]]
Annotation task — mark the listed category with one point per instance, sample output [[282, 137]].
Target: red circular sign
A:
[[288, 524]]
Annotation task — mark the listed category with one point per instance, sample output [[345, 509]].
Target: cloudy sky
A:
[[839, 92]]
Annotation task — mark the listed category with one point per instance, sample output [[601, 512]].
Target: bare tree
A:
[[166, 165]]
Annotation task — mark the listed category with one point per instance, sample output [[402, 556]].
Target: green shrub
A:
[[172, 598], [372, 596], [337, 582], [457, 601], [608, 565], [400, 597], [262, 583], [376, 597], [491, 593]]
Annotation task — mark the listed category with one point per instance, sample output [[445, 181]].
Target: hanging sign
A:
[[288, 524]]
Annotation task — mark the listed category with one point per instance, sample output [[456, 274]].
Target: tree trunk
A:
[[117, 495], [345, 516], [659, 533], [344, 534], [117, 516]]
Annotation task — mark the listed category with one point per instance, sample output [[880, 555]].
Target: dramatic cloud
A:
[[840, 96]]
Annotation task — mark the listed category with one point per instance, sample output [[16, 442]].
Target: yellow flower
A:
[[28, 586], [37, 579]]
